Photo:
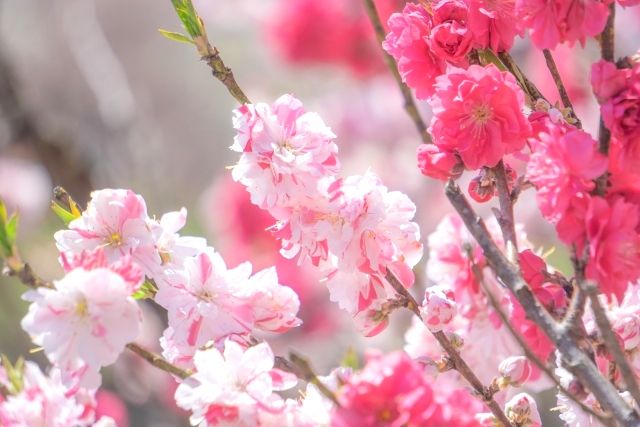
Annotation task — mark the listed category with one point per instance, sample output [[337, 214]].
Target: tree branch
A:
[[455, 358], [564, 96], [575, 359], [611, 340], [409, 102], [159, 362], [505, 218], [605, 419]]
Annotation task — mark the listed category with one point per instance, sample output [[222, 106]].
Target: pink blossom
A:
[[437, 163], [110, 405], [44, 401], [438, 308], [233, 387], [477, 113], [84, 322], [516, 370], [209, 302], [391, 390], [563, 164], [493, 24], [450, 38], [407, 42], [117, 221], [558, 21], [606, 80], [614, 244], [523, 411], [286, 150]]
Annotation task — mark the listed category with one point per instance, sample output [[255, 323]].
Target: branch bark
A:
[[575, 359], [455, 358], [409, 102], [564, 96]]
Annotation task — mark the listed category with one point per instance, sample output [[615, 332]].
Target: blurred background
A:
[[92, 96]]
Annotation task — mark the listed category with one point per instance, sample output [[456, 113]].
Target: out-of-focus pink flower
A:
[[516, 370], [234, 386], [45, 401], [477, 113], [614, 244], [438, 308], [331, 32], [607, 81], [558, 21], [24, 187], [562, 166], [406, 42], [493, 24], [110, 405], [390, 390], [522, 410], [437, 163], [84, 322], [450, 38], [285, 151]]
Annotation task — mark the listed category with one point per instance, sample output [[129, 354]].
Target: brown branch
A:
[[611, 340], [513, 68], [564, 96], [577, 362], [607, 37], [605, 419], [300, 367], [159, 362], [211, 56], [409, 103], [15, 267], [455, 359], [505, 217]]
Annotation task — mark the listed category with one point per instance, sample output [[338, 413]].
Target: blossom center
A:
[[481, 114], [82, 308], [114, 239]]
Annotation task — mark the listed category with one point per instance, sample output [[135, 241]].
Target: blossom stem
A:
[[455, 358], [300, 367], [158, 361], [562, 90], [574, 358], [15, 267], [409, 102], [605, 419], [505, 215], [611, 340], [513, 68]]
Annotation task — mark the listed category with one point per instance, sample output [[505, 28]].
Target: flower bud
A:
[[438, 164], [481, 189], [438, 307], [515, 370], [522, 410]]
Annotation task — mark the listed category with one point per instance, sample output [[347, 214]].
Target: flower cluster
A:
[[353, 228]]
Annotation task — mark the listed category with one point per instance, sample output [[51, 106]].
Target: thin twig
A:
[[505, 218], [300, 367], [409, 102], [15, 267], [611, 340], [455, 358], [578, 363], [562, 90], [159, 362], [513, 68]]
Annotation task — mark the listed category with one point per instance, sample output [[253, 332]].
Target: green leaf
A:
[[148, 290], [8, 231], [189, 17], [350, 359], [65, 215], [171, 35], [488, 57], [14, 373]]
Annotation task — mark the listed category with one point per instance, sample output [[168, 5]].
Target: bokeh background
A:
[[92, 96]]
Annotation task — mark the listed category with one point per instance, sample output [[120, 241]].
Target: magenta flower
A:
[[477, 114]]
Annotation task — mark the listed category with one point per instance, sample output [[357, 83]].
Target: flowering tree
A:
[[497, 319]]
